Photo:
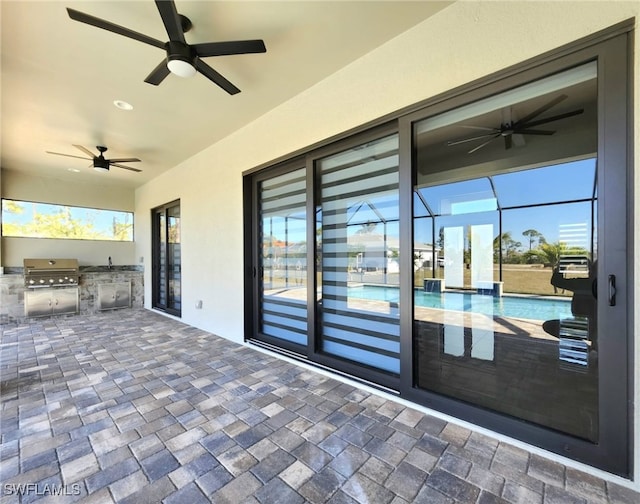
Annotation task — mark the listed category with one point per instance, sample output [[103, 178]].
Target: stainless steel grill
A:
[[50, 273]]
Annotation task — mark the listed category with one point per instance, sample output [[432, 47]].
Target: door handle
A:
[[612, 290]]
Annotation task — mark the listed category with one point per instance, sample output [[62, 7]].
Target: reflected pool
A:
[[526, 307]]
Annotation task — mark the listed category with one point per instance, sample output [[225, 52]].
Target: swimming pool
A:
[[532, 308]]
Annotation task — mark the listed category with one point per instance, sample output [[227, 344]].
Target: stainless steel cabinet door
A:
[[65, 301]]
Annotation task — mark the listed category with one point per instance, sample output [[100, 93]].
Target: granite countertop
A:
[[19, 270], [106, 269]]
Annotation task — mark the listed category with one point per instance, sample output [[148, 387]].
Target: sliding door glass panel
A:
[[283, 257], [161, 255], [167, 260], [505, 236], [174, 261], [358, 249]]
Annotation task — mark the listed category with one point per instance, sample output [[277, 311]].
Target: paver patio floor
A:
[[133, 407]]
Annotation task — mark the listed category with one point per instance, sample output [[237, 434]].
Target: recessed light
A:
[[73, 170], [123, 105]]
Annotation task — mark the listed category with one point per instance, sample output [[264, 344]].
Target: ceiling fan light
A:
[[103, 169], [181, 68]]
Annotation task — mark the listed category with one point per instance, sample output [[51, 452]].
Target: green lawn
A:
[[519, 279]]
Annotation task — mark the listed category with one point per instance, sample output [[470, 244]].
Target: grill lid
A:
[[50, 272]]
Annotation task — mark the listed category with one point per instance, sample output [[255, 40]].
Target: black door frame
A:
[[155, 258], [612, 49], [612, 453], [253, 273]]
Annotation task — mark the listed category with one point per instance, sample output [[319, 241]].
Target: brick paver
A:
[[134, 407]]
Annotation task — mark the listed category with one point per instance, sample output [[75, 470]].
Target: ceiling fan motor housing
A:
[[179, 54], [100, 164]]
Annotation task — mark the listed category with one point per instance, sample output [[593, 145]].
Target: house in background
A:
[[517, 112]]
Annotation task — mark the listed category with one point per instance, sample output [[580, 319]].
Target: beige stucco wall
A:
[[460, 44], [25, 187]]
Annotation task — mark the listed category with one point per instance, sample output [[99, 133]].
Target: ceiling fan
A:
[[99, 161], [182, 59], [512, 129]]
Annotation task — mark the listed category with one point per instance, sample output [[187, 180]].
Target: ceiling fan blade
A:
[[215, 77], [483, 128], [471, 139], [534, 132], [227, 48], [106, 25], [158, 74], [553, 118], [124, 167], [68, 155], [124, 160], [483, 144], [540, 110], [85, 150], [508, 142], [171, 19]]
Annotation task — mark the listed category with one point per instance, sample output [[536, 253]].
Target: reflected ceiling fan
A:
[[512, 129], [182, 59], [99, 161]]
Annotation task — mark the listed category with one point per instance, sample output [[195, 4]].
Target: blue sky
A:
[[473, 202]]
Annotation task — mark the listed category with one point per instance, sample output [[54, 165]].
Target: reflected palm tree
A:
[[550, 254]]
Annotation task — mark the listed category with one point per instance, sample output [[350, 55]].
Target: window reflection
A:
[[470, 196], [550, 184], [358, 250], [283, 257], [505, 254]]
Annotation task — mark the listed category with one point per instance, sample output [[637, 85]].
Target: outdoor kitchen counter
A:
[[11, 296], [92, 276], [12, 288]]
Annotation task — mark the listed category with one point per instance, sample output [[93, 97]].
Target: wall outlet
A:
[[199, 304], [141, 259]]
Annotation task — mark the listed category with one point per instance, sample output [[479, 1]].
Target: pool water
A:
[[532, 308]]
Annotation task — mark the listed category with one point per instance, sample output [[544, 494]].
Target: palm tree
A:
[[549, 253], [532, 234], [509, 245]]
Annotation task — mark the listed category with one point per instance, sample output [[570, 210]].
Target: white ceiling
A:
[[60, 77]]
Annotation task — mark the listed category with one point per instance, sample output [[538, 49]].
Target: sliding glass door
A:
[[518, 225], [166, 259], [281, 260], [470, 255], [357, 217]]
